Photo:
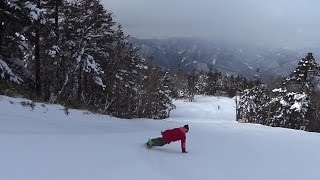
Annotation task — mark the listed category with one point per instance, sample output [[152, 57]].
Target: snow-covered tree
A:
[[253, 105], [179, 81], [158, 102], [164, 99], [15, 19], [301, 89], [230, 85], [290, 109], [212, 87], [82, 33], [6, 72], [191, 86], [52, 18], [305, 77], [125, 71], [201, 83]]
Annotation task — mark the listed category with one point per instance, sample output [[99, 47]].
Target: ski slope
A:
[[47, 144]]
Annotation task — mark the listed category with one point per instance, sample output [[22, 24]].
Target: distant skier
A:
[[169, 136]]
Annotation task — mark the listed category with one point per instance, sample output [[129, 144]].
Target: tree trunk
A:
[[37, 57], [57, 19], [79, 83], [59, 72], [1, 34], [269, 112], [237, 109]]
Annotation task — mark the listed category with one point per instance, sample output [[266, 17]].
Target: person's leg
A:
[[158, 141]]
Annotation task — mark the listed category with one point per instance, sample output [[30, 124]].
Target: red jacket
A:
[[176, 134]]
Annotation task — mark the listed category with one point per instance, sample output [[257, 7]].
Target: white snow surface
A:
[[47, 144]]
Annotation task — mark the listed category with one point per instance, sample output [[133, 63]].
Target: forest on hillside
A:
[[75, 54]]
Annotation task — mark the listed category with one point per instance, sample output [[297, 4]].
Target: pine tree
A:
[[180, 83], [15, 19], [201, 83], [191, 86], [230, 86], [302, 84], [289, 109], [303, 79], [314, 113], [253, 105], [164, 99], [212, 83], [157, 100], [79, 48], [52, 20], [125, 73]]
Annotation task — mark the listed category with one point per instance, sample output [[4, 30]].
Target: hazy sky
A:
[[282, 23]]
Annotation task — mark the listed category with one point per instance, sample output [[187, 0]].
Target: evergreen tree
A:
[[314, 113], [51, 43], [304, 78], [180, 83], [201, 84], [230, 86], [290, 109], [164, 99], [253, 105], [301, 85], [212, 87], [125, 74], [15, 19], [158, 102], [80, 60], [191, 86]]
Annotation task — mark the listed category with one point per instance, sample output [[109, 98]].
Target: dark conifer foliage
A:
[[253, 105], [15, 20], [304, 78], [157, 97], [191, 86]]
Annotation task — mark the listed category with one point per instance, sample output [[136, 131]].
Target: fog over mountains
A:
[[202, 55]]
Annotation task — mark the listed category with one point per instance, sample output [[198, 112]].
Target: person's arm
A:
[[183, 145]]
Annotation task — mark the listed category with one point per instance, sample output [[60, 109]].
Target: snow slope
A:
[[46, 144]]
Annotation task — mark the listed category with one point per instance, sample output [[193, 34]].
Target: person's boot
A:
[[150, 143]]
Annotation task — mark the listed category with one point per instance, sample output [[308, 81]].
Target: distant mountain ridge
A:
[[203, 55]]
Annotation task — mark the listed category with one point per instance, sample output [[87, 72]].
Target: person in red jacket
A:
[[169, 136]]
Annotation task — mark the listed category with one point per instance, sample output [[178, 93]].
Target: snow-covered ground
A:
[[47, 144]]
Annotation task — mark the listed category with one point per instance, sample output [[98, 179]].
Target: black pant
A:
[[158, 141]]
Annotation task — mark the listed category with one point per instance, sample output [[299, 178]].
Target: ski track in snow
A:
[[45, 143]]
